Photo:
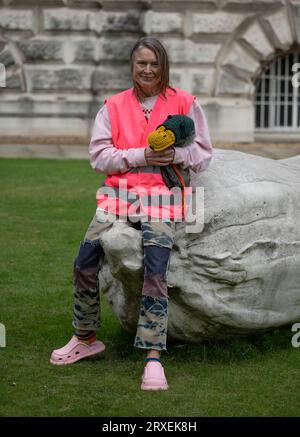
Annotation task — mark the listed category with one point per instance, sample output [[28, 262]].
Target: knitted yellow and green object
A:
[[161, 139], [178, 131]]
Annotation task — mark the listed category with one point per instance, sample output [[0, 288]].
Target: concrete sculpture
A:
[[241, 274]]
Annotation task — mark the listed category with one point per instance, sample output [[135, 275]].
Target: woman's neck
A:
[[151, 93], [144, 94]]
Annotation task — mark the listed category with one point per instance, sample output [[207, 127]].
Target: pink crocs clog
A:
[[154, 377], [75, 350]]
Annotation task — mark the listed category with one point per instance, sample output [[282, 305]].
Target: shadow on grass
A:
[[235, 349], [231, 350]]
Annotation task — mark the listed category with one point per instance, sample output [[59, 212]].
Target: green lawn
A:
[[45, 209]]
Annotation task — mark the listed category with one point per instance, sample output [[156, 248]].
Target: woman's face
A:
[[146, 71]]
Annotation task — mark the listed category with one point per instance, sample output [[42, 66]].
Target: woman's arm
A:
[[104, 157], [197, 155]]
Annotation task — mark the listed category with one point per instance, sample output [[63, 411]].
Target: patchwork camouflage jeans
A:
[[158, 240]]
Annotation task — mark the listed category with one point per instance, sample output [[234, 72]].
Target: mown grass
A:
[[45, 209]]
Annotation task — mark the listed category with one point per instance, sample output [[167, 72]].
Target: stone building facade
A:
[[62, 58]]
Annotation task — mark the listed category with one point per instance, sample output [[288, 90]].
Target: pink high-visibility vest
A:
[[141, 190]]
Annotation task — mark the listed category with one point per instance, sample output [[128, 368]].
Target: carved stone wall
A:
[[63, 58]]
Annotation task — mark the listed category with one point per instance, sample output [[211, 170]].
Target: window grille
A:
[[277, 105]]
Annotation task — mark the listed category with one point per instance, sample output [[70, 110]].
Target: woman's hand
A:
[[159, 158]]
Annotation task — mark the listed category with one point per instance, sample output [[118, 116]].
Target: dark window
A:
[[277, 101]]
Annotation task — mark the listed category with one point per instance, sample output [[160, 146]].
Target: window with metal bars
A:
[[277, 104]]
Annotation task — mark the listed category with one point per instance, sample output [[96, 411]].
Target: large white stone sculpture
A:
[[241, 274]]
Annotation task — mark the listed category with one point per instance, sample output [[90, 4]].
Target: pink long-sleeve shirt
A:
[[106, 158]]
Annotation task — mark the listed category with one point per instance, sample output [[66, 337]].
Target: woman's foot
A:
[[75, 350], [154, 376]]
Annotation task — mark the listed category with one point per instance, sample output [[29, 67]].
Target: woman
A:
[[119, 149]]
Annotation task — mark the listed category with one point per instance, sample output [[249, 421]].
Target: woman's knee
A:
[[156, 261], [86, 264]]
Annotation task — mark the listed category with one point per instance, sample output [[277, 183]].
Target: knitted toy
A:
[[178, 131]]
